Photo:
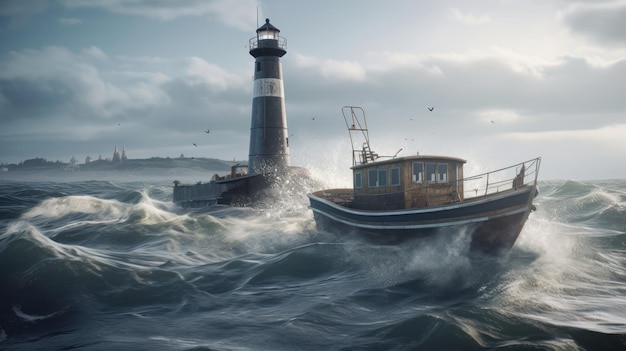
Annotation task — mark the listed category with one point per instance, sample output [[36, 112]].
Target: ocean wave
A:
[[573, 277], [101, 265], [600, 205]]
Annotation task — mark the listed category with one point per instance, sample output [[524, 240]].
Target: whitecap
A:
[[30, 317]]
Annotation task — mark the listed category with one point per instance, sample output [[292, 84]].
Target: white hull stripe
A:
[[467, 203], [391, 226], [268, 87]]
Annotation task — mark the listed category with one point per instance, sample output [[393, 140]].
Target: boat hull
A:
[[494, 222]]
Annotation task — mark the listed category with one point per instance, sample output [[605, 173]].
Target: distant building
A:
[[119, 157], [116, 155], [73, 165]]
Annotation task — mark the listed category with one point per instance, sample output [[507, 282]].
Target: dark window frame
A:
[[358, 180], [395, 176]]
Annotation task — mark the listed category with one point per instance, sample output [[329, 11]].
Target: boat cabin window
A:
[[395, 176], [442, 172], [431, 172], [418, 172], [382, 177], [377, 178], [358, 180], [372, 178]]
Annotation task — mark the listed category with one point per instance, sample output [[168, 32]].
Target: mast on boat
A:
[[356, 123]]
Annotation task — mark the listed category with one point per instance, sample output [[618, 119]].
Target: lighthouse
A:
[[269, 143], [269, 166]]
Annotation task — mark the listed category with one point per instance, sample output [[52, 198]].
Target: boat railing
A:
[[504, 179]]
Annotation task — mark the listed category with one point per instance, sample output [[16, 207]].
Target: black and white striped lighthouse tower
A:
[[269, 143]]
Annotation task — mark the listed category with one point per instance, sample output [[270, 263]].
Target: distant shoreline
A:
[[155, 163], [166, 170]]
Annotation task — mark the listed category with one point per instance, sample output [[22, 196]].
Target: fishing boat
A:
[[396, 198]]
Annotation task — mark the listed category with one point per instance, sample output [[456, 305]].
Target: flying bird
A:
[[207, 131], [431, 108], [194, 144], [493, 122]]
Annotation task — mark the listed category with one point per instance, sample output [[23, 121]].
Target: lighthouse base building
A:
[[268, 165]]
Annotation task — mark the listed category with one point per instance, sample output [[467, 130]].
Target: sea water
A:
[[100, 265]]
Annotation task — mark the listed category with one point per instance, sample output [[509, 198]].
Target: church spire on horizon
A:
[[116, 155]]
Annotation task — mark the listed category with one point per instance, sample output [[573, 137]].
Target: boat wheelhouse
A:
[[408, 182]]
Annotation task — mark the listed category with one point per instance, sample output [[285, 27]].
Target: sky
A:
[[509, 80]]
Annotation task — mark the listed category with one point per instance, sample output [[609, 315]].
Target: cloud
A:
[[200, 71], [601, 21], [167, 102], [611, 135], [239, 14], [95, 53], [332, 69], [585, 153], [19, 12], [523, 95], [498, 116], [504, 80], [3, 101], [467, 18], [522, 64], [60, 80], [82, 100], [66, 21], [20, 8]]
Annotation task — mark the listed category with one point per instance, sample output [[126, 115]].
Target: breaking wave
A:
[[102, 265]]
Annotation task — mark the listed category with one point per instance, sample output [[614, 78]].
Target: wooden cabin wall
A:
[[392, 201], [460, 177], [366, 190], [426, 194], [382, 197], [409, 194], [432, 194]]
